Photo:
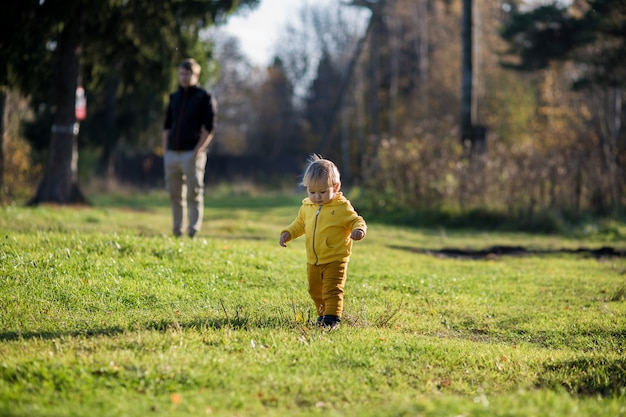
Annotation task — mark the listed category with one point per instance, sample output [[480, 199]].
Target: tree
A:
[[274, 128], [60, 179], [591, 33], [234, 88], [591, 37], [320, 55], [320, 112], [2, 102], [77, 38]]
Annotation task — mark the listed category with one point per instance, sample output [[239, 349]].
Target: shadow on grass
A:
[[145, 201], [584, 341], [236, 323], [586, 376], [497, 251], [49, 335]]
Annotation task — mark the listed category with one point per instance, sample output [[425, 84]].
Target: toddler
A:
[[330, 224]]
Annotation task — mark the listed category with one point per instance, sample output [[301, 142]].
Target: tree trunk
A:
[[60, 179], [421, 17], [3, 98], [377, 21], [111, 134], [394, 68], [609, 141]]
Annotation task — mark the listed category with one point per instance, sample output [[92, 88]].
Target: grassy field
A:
[[103, 313]]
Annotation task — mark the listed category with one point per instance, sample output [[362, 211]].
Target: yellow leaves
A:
[[444, 383], [267, 401], [177, 399]]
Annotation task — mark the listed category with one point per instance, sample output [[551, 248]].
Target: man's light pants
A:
[[184, 180]]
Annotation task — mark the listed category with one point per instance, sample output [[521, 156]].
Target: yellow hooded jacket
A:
[[327, 229]]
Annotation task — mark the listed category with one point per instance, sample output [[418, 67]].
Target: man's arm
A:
[[203, 143], [207, 130], [166, 133], [167, 124]]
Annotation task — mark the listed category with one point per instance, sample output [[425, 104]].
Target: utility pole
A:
[[466, 73], [472, 135]]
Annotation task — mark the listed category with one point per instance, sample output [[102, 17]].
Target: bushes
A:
[[543, 188]]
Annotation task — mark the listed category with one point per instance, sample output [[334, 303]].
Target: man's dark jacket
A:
[[189, 109]]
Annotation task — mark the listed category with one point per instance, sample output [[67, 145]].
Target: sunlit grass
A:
[[103, 313]]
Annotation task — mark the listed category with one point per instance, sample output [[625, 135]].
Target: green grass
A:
[[102, 313]]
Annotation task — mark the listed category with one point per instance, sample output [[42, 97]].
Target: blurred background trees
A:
[[377, 87], [124, 53]]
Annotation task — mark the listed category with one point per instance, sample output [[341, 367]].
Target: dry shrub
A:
[[20, 175], [419, 173], [521, 180]]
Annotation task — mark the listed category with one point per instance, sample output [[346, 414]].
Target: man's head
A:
[[188, 73]]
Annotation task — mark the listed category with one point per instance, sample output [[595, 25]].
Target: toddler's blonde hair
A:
[[321, 171]]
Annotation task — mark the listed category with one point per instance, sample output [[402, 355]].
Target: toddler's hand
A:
[[284, 238], [357, 234]]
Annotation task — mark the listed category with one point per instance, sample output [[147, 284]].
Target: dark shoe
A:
[[319, 321], [192, 234], [331, 322]]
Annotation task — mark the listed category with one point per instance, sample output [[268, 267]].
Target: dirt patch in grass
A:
[[497, 251]]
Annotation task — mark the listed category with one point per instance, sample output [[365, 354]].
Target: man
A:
[[188, 130]]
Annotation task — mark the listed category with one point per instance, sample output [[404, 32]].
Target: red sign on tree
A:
[[81, 104]]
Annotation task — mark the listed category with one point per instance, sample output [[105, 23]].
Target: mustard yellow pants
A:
[[326, 283]]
